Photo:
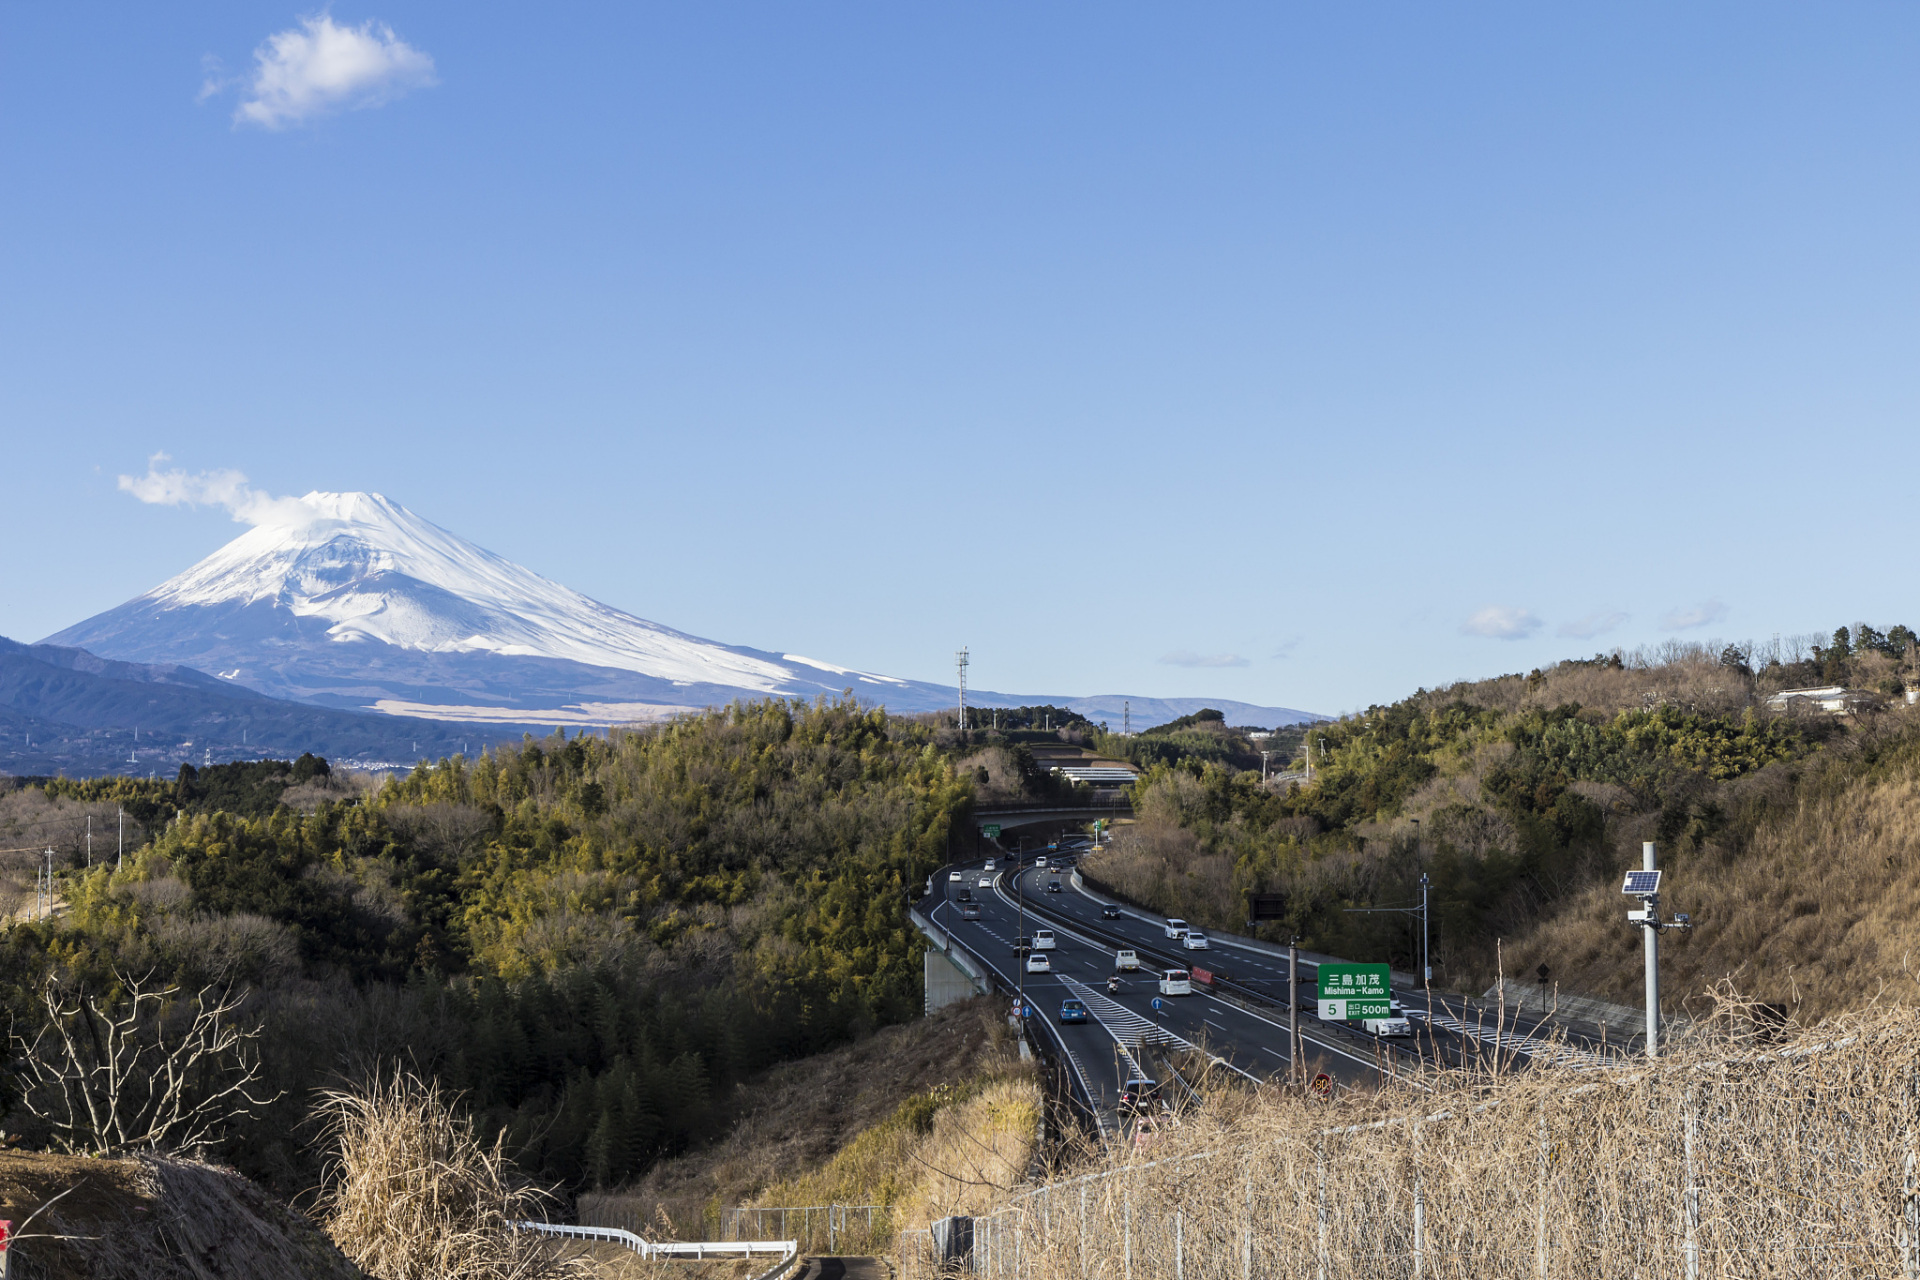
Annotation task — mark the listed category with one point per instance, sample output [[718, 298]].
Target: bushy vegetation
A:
[[589, 939], [1514, 797]]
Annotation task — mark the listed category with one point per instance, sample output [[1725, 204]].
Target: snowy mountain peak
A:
[[372, 570]]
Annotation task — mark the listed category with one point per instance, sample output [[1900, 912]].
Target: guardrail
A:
[[865, 1224], [671, 1250]]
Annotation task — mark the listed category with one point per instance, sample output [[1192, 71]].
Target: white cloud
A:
[[320, 67], [1592, 625], [227, 488], [1498, 622], [1188, 658], [1700, 615]]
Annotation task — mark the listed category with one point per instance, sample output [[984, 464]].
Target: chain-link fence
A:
[[1720, 1160]]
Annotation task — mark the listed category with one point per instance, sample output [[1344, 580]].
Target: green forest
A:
[[594, 939], [1509, 795]]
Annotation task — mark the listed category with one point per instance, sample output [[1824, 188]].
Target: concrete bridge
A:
[[1006, 816]]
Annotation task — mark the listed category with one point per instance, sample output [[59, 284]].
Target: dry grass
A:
[[413, 1195], [1818, 912], [1763, 1159], [799, 1119]]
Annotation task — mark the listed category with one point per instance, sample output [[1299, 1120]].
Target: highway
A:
[[1247, 1035]]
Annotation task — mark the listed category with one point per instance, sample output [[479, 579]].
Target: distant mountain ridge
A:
[[350, 600], [67, 711]]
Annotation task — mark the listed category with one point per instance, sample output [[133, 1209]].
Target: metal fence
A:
[[1785, 1164], [828, 1228]]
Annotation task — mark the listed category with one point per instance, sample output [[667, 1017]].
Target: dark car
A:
[[1072, 1011], [1022, 945], [969, 911], [1139, 1095], [1053, 886], [1109, 912], [965, 895]]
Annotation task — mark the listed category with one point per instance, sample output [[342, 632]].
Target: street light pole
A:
[[1426, 944]]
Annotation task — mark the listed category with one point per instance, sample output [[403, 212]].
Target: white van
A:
[[1176, 928], [1125, 960], [1037, 962], [1041, 862], [1043, 940], [1176, 982]]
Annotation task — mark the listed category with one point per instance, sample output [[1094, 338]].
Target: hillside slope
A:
[[156, 1218]]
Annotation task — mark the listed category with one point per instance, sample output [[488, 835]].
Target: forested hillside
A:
[[593, 939], [1789, 834]]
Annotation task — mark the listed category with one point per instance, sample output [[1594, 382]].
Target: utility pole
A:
[[1126, 719], [960, 660], [1293, 1010], [1307, 748], [1644, 884], [1426, 952], [120, 859], [89, 841], [1263, 767], [1652, 940]]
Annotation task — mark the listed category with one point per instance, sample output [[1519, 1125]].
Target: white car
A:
[[1038, 962], [1395, 1024], [955, 877], [989, 866], [1043, 940], [986, 882], [1041, 862], [1125, 960], [1194, 940], [1176, 982], [1176, 928]]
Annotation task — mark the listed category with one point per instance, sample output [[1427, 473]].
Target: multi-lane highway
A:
[[1249, 1035]]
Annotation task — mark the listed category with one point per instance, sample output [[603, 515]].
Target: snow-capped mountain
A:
[[351, 600]]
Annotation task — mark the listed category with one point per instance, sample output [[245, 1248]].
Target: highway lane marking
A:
[[1554, 1051]]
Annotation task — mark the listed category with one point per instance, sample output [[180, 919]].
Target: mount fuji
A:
[[350, 600]]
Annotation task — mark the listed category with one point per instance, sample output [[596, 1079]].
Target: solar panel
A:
[[1641, 883]]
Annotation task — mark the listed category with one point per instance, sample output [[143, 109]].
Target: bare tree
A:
[[147, 1069]]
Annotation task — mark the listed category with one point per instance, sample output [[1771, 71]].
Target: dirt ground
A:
[[161, 1219]]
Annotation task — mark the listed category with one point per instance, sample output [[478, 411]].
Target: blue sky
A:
[[1295, 354]]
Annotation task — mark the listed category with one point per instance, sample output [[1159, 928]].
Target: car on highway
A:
[[969, 911], [1394, 1024], [1053, 886], [1139, 1094], [1194, 940], [1043, 940], [986, 882], [1109, 912], [955, 876], [1175, 928], [1176, 982], [1041, 862], [1037, 962], [1125, 960], [1022, 945], [965, 895], [1073, 1011], [989, 865]]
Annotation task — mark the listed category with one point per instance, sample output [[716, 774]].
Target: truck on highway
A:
[[1125, 960]]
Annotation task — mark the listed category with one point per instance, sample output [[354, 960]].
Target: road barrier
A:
[[671, 1250]]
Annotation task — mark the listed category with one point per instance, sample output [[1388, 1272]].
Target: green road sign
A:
[[991, 831], [1351, 991]]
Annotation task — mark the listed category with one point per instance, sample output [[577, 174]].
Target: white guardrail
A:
[[674, 1250]]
